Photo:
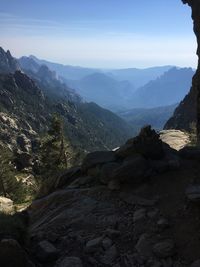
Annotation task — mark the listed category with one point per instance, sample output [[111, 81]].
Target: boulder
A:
[[164, 249], [144, 245], [147, 144], [6, 205], [96, 158], [132, 170], [94, 244], [163, 223], [106, 171], [107, 243], [46, 252]]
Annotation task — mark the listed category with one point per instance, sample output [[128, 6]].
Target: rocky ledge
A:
[[131, 207]]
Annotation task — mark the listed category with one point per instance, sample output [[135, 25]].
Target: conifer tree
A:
[[53, 148]]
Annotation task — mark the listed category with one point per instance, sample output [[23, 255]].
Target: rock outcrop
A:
[[176, 139], [134, 206], [187, 114], [6, 205]]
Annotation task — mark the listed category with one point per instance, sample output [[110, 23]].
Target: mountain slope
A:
[[86, 125], [104, 90], [185, 115], [168, 89]]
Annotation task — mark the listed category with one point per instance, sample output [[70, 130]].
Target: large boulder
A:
[[98, 157], [147, 144], [133, 170], [106, 171]]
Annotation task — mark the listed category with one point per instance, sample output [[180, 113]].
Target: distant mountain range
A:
[[140, 96], [137, 77], [169, 88], [121, 89], [156, 117], [30, 97]]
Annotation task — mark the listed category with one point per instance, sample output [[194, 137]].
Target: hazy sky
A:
[[100, 33]]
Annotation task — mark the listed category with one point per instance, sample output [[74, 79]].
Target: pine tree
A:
[[9, 185], [53, 148]]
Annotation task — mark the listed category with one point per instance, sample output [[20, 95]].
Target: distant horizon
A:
[[100, 34], [100, 68]]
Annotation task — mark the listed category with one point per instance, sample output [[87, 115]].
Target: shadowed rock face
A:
[[195, 5], [188, 112]]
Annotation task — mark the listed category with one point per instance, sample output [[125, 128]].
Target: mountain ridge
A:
[[83, 127]]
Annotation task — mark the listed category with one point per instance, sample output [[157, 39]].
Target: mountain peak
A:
[[8, 64]]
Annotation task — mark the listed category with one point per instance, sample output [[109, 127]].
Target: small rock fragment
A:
[[139, 215], [164, 249], [107, 243], [109, 256], [193, 193], [70, 262], [46, 252], [93, 244], [112, 233], [144, 245]]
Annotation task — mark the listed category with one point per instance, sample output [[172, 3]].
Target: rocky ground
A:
[[137, 206], [153, 224]]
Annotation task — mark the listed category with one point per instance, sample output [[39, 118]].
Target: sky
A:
[[100, 33]]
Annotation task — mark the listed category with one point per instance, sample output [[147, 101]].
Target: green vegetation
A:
[[193, 134], [53, 149], [10, 186]]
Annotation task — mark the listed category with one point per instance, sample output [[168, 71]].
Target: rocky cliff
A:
[[188, 112], [7, 62]]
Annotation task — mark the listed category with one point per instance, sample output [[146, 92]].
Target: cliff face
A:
[[188, 112], [7, 62]]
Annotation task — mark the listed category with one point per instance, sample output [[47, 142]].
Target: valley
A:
[[99, 166]]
